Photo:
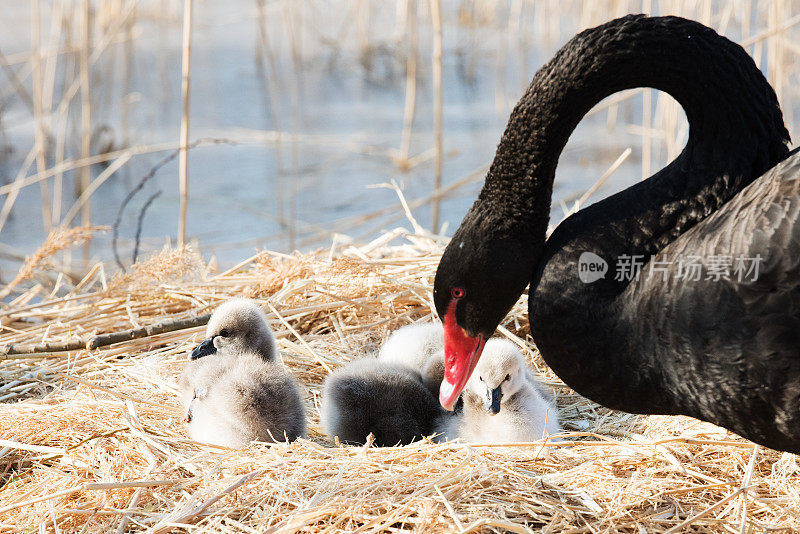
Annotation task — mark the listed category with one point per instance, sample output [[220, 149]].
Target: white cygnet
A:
[[419, 347], [502, 402], [233, 389]]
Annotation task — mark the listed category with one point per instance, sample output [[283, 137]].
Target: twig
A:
[[147, 331], [105, 339], [146, 178], [35, 348], [139, 223]]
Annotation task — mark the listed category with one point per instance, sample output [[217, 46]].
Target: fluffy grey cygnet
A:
[[371, 396], [238, 325], [233, 389]]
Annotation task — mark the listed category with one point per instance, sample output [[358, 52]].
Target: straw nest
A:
[[93, 440]]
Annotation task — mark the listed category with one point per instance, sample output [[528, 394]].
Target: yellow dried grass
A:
[[93, 441], [58, 239]]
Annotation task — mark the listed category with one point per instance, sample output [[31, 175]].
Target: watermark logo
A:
[[591, 267]]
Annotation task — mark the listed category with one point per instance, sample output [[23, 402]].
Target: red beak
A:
[[461, 354]]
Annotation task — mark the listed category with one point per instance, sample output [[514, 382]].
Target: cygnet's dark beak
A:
[[494, 406], [203, 349]]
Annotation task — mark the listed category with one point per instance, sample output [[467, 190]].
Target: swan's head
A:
[[481, 275], [238, 325], [498, 376]]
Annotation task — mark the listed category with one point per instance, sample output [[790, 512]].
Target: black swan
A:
[[718, 346]]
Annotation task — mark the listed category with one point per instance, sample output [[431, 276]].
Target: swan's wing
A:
[[735, 320], [748, 250]]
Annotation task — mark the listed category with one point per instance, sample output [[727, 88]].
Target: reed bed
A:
[[81, 82], [93, 440]]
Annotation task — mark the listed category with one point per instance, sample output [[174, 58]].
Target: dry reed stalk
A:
[[410, 14], [66, 165], [15, 186], [273, 95], [86, 119], [127, 78], [86, 194], [97, 50], [292, 30], [16, 83], [51, 67], [600, 181], [436, 21], [39, 133], [647, 143], [183, 160]]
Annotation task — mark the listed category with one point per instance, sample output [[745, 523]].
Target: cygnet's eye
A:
[[480, 378], [224, 332], [508, 377]]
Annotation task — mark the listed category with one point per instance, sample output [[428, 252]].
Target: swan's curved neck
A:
[[736, 133], [736, 126]]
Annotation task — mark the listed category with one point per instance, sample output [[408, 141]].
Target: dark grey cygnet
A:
[[369, 396]]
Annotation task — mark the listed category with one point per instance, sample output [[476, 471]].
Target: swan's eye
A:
[[224, 332], [458, 292]]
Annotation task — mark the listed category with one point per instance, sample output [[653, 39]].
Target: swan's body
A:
[[232, 388], [722, 350], [502, 402], [419, 347], [370, 396]]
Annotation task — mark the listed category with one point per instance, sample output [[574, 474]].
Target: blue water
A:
[[238, 193]]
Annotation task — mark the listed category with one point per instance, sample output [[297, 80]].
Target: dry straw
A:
[[93, 441]]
